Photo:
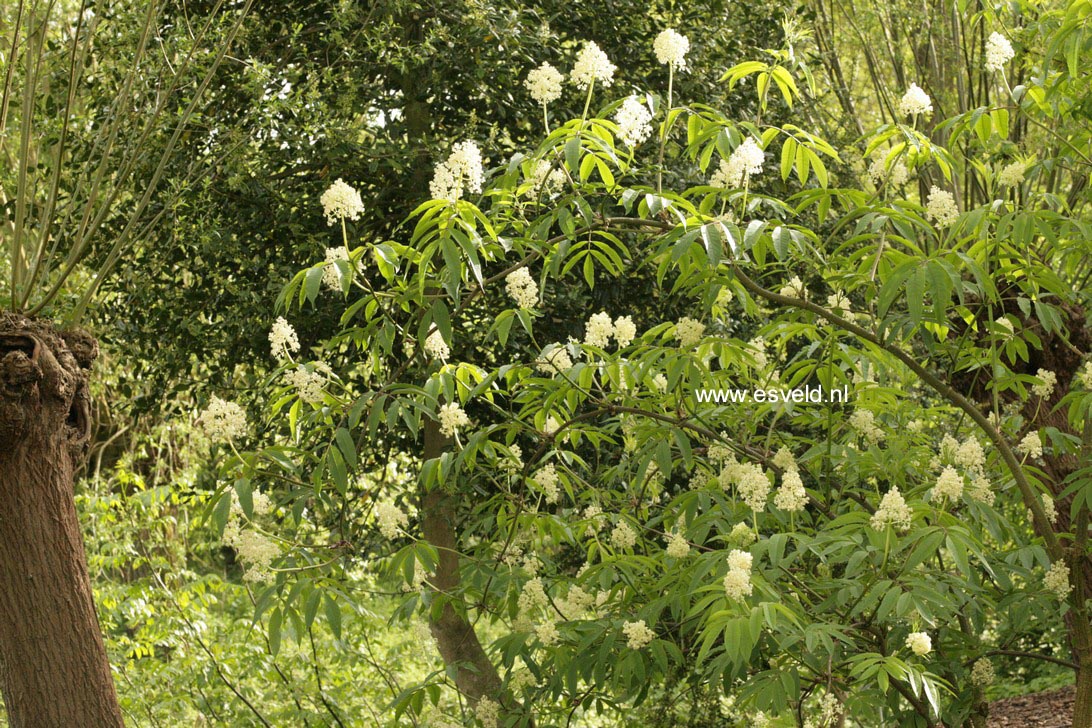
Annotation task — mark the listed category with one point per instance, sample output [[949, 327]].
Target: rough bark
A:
[[475, 675], [53, 666]]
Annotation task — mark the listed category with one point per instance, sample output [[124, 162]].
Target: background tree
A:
[[81, 118]]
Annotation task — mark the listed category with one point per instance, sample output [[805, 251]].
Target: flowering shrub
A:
[[609, 533]]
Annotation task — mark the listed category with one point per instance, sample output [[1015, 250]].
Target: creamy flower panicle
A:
[[949, 485], [941, 207], [592, 65], [544, 83], [282, 339], [677, 546], [522, 288], [436, 347], [1012, 174], [554, 359], [623, 536], [745, 162], [1031, 445], [893, 512], [633, 119], [1045, 386], [331, 271], [1057, 579], [599, 330], [998, 52], [671, 48], [452, 417], [791, 496], [460, 172], [624, 331], [915, 101], [547, 480], [737, 582], [223, 420], [919, 643], [341, 201], [638, 634], [310, 382], [688, 332]]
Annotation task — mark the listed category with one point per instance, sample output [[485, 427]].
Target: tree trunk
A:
[[53, 667], [474, 673], [1082, 708]]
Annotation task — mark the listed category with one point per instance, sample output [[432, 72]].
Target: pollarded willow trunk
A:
[[53, 666]]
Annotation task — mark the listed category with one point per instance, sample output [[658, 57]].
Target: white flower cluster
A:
[[791, 496], [544, 83], [915, 101], [677, 546], [1084, 375], [223, 420], [390, 518], [981, 489], [638, 634], [896, 176], [532, 597], [737, 582], [793, 289], [436, 347], [522, 288], [513, 463], [600, 330], [592, 65], [1012, 174], [746, 161], [1045, 386], [750, 480], [545, 178], [633, 119], [982, 674], [742, 535], [452, 417], [554, 359], [968, 454], [623, 536], [1049, 508], [864, 423], [919, 643], [547, 633], [257, 552], [838, 303], [941, 207], [341, 201], [671, 48], [487, 712], [261, 504], [998, 52], [1031, 445], [462, 171], [689, 332], [331, 272], [625, 331], [282, 339], [893, 511], [551, 425], [1057, 579], [949, 485], [547, 480], [309, 381]]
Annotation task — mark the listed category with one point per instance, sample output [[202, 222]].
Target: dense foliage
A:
[[614, 530], [520, 442]]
